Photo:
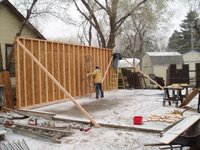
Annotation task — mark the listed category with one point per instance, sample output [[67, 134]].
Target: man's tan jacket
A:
[[97, 75]]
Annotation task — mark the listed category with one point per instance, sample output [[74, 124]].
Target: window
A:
[[10, 64]]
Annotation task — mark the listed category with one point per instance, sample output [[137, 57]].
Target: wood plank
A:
[[32, 71], [179, 128], [39, 59], [55, 66], [35, 113], [69, 68], [17, 67], [49, 68], [74, 68], [36, 73], [83, 74], [21, 57], [29, 74], [58, 59], [64, 71], [78, 74], [189, 97], [107, 69], [52, 65], [25, 78], [46, 77], [61, 68]]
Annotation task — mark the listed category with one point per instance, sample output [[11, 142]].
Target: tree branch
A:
[[27, 17], [95, 24], [102, 7], [121, 20]]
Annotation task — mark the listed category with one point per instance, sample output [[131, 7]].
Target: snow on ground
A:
[[117, 108]]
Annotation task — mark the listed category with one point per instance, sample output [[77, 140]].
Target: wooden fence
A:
[[67, 63]]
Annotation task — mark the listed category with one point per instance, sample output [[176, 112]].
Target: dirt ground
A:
[[117, 109]]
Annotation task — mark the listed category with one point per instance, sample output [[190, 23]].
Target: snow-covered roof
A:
[[163, 58], [124, 64], [163, 54]]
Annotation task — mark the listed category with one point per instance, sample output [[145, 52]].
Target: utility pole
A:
[[192, 37]]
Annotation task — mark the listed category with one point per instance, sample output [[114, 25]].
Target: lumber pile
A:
[[14, 145], [21, 122], [169, 118]]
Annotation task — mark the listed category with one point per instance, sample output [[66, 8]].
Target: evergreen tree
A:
[[174, 41], [182, 41]]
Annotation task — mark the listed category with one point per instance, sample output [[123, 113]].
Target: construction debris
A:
[[14, 145], [51, 134]]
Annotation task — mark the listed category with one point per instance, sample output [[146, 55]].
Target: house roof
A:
[[163, 54], [192, 51], [128, 62], [21, 17], [162, 58]]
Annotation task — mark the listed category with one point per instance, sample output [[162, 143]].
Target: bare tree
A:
[[140, 28], [110, 10], [28, 14]]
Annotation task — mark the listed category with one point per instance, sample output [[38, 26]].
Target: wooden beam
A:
[[59, 85], [64, 71], [46, 78], [52, 63], [107, 69], [25, 67], [58, 67], [178, 129], [145, 75], [18, 80], [189, 97], [33, 80], [40, 81]]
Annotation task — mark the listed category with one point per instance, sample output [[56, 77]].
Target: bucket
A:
[[137, 120]]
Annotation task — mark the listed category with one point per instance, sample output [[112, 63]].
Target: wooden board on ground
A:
[[178, 129], [189, 97], [43, 114]]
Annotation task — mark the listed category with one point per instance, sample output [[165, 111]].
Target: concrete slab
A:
[[117, 109]]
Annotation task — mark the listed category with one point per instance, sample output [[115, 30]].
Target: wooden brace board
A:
[[189, 97], [179, 128]]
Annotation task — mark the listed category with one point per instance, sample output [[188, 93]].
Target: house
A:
[[10, 22], [191, 58], [158, 62]]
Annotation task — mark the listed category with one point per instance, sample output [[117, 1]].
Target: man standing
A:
[[97, 81]]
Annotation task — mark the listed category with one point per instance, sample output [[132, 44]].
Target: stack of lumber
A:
[[169, 118]]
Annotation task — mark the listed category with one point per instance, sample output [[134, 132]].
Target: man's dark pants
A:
[[99, 90]]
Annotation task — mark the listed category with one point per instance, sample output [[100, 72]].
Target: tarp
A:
[[124, 64]]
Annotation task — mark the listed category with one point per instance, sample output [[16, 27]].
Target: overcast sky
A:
[[53, 28], [58, 29]]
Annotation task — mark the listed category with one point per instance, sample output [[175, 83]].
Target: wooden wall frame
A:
[[65, 62]]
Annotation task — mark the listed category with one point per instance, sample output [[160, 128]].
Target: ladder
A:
[[114, 80], [117, 80], [121, 83]]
